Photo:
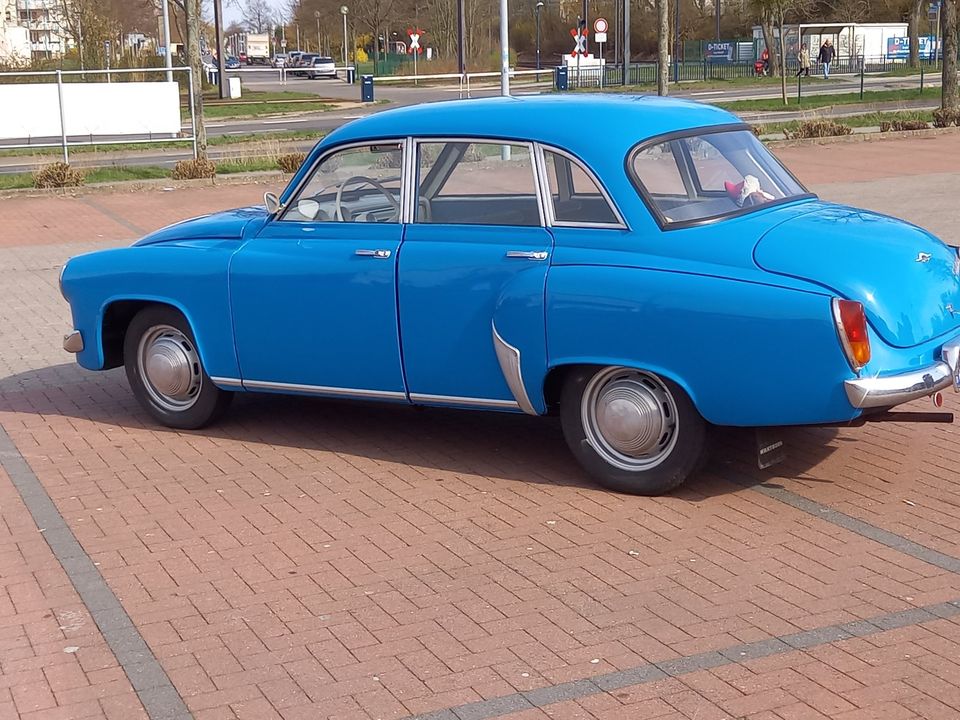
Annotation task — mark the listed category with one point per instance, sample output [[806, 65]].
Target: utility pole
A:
[[663, 45], [626, 42], [716, 4], [167, 57], [192, 8], [504, 48], [221, 61], [461, 33]]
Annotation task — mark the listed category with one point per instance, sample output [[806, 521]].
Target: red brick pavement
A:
[[313, 559]]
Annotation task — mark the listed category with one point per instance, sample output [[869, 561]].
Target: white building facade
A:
[[29, 30]]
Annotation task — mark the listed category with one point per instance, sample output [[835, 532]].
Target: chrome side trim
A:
[[509, 358], [324, 390], [73, 343], [227, 382], [893, 390], [456, 400]]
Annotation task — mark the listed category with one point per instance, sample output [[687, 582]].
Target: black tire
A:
[[201, 402], [668, 463]]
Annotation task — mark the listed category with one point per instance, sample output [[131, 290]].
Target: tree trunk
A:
[[782, 60], [913, 32], [766, 25], [663, 46], [196, 69], [948, 25]]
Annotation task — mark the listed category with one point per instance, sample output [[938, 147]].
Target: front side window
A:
[[710, 175], [577, 198], [476, 183], [357, 184]]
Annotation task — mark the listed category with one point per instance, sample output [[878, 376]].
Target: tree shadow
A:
[[490, 444]]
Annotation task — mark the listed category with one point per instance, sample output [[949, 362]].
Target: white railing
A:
[[465, 80], [67, 140]]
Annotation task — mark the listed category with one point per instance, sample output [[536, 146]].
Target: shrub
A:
[[194, 169], [818, 129], [291, 162], [58, 175], [897, 125], [944, 117]]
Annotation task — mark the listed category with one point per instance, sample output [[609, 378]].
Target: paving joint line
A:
[[116, 217], [149, 680], [677, 667]]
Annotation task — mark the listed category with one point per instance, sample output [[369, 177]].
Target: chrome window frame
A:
[[471, 139], [403, 142], [552, 221]]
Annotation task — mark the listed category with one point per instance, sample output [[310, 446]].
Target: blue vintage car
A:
[[643, 267]]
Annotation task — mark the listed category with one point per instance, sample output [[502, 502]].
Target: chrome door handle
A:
[[527, 254], [380, 254]]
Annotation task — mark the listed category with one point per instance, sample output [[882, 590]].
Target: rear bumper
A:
[[891, 390]]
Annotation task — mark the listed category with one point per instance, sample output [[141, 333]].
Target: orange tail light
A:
[[852, 328]]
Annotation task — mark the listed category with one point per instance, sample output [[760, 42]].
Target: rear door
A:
[[477, 248]]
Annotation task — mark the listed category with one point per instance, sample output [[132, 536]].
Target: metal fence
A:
[[65, 141]]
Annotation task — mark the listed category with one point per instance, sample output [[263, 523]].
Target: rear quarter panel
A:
[[189, 275]]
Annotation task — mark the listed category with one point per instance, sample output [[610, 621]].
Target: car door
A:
[[314, 294], [472, 272]]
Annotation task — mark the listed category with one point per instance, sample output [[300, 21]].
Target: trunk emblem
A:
[[923, 257]]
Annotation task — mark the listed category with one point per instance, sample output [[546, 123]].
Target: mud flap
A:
[[770, 447]]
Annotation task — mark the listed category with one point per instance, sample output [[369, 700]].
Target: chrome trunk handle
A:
[[527, 254]]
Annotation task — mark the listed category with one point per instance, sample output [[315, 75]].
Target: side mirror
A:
[[272, 202]]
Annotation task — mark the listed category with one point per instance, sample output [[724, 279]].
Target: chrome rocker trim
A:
[[509, 358], [873, 392], [467, 401], [322, 390], [73, 343]]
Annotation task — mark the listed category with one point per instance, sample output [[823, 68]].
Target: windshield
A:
[[710, 175]]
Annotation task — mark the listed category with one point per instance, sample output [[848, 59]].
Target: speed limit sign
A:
[[600, 25]]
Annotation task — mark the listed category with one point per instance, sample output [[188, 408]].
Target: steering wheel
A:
[[363, 180]]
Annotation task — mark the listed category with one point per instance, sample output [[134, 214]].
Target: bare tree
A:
[[257, 14], [948, 26], [196, 68], [663, 44]]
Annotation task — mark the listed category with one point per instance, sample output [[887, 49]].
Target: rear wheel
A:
[[165, 371], [632, 430]]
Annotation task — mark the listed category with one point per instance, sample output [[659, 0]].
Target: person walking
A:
[[803, 58], [827, 53]]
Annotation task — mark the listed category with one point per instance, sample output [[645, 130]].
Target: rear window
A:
[[710, 175]]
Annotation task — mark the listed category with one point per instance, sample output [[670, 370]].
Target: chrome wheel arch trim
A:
[[509, 358]]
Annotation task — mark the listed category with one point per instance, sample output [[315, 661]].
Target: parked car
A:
[[293, 57], [303, 62], [322, 67], [232, 63], [645, 283], [279, 60]]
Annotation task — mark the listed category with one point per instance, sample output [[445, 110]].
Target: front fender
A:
[[748, 354], [190, 276]]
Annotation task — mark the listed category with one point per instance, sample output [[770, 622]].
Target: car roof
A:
[[584, 124]]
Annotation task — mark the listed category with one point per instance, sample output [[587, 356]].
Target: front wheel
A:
[[632, 430], [165, 371]]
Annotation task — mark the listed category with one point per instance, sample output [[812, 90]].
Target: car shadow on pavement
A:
[[491, 444]]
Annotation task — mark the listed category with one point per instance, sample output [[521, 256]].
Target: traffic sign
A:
[[580, 42], [600, 25], [600, 37], [415, 36]]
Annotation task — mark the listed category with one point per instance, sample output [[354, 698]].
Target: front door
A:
[[476, 249], [314, 294]]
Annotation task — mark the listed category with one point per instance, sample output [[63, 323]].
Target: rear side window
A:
[[577, 199], [477, 183]]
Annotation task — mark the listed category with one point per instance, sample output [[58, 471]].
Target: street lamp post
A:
[[504, 49], [343, 11], [316, 15], [167, 59], [539, 8]]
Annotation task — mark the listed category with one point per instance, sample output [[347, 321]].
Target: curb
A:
[[863, 137], [161, 184]]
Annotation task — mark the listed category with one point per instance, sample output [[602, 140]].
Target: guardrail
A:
[[347, 71], [67, 139], [466, 81]]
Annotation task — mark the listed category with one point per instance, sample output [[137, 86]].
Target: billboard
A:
[[719, 52], [898, 48]]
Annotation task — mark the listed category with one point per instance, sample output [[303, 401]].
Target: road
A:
[[404, 95]]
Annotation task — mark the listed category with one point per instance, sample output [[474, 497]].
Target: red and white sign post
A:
[[600, 29], [415, 49]]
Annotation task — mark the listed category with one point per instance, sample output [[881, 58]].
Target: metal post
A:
[[193, 115], [799, 81], [461, 33], [63, 119], [676, 41], [343, 11], [167, 59], [626, 42], [716, 4], [221, 61], [861, 79], [921, 82], [538, 9], [504, 48]]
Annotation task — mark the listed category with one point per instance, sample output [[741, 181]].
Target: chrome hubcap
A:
[[170, 368], [629, 418]]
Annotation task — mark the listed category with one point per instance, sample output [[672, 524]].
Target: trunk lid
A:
[[907, 279]]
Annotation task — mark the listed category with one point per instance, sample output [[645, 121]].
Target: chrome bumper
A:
[[73, 343], [890, 390]]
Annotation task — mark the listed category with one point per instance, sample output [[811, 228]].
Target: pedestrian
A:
[[803, 57], [827, 53], [765, 59]]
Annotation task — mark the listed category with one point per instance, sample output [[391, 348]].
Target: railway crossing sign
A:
[[415, 36], [580, 41]]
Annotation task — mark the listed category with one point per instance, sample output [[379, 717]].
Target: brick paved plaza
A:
[[320, 559]]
